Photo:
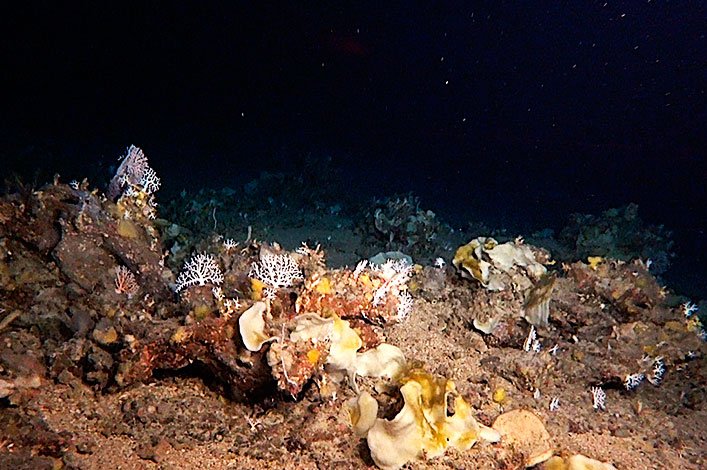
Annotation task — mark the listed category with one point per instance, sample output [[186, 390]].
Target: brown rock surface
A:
[[525, 433]]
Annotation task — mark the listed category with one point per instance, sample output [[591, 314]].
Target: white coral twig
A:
[[230, 244], [531, 341], [598, 398], [633, 380], [658, 370], [404, 305], [360, 267], [688, 309]]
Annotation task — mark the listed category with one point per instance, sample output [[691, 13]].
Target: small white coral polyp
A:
[[199, 270]]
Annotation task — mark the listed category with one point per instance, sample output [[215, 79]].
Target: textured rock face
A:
[[523, 432]]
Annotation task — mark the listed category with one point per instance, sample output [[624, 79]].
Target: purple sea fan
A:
[[130, 171]]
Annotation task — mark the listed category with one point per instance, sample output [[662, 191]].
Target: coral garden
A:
[[198, 341]]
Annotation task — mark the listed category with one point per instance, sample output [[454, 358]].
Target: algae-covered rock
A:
[[576, 462], [383, 256], [617, 233], [498, 266], [362, 410], [424, 427], [252, 327], [398, 223], [536, 308], [523, 431], [105, 333], [385, 360]]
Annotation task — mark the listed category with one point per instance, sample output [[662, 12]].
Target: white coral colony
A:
[[200, 270]]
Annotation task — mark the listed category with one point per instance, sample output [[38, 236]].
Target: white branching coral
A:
[[226, 306], [531, 342], [633, 380], [218, 293], [537, 346], [200, 270], [230, 244], [395, 274], [598, 398], [688, 309], [231, 305], [315, 252], [360, 267], [150, 182], [277, 270], [658, 370], [395, 271]]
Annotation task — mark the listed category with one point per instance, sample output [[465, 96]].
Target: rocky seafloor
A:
[[185, 336]]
